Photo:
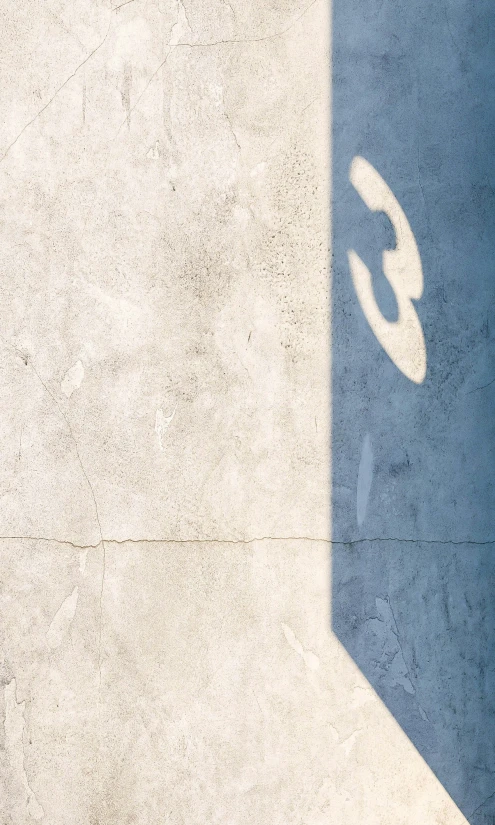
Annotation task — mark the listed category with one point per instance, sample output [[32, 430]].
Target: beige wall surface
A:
[[165, 547]]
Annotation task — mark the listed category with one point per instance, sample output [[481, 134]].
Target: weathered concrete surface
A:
[[216, 693], [166, 650], [414, 462]]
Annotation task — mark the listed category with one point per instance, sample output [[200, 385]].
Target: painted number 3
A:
[[402, 340]]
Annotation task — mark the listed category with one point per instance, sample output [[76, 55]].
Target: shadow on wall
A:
[[413, 387]]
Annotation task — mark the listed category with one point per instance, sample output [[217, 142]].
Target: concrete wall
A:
[[165, 317]]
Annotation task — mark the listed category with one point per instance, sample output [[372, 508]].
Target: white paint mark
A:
[[62, 620], [14, 746], [365, 477], [259, 169], [402, 340], [348, 743], [83, 555], [362, 694], [311, 660], [162, 423], [154, 152], [72, 379]]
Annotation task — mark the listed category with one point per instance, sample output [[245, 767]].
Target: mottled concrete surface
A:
[[167, 653], [414, 460]]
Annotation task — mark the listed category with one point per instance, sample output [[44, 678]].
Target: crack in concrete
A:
[[180, 3], [190, 45], [162, 64], [107, 541], [83, 470], [14, 725], [127, 3], [30, 123], [229, 121], [252, 39], [450, 542], [477, 389], [215, 43], [28, 362], [397, 636], [313, 539], [226, 3], [483, 803]]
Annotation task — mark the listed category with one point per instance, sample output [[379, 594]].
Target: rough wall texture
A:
[[164, 524], [414, 457]]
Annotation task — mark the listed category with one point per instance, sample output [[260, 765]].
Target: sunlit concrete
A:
[[165, 525]]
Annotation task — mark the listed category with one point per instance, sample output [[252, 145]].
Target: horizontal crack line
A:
[[313, 539], [163, 541]]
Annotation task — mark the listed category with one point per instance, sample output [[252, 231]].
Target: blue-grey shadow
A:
[[413, 586]]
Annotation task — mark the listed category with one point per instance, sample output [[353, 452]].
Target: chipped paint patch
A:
[[62, 620], [311, 660], [72, 379], [162, 423]]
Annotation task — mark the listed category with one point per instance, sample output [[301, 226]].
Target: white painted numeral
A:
[[402, 340]]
